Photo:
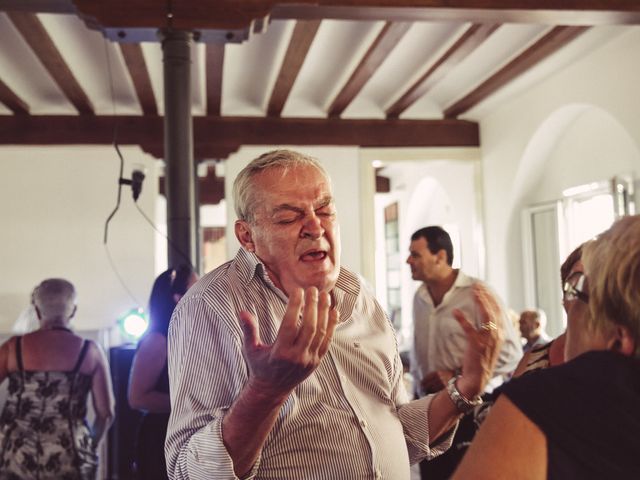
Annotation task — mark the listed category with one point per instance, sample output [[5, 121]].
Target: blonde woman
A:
[[578, 420]]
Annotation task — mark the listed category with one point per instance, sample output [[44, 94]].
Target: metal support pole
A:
[[178, 149]]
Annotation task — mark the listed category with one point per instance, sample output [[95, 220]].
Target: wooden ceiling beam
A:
[[12, 101], [550, 12], [303, 34], [214, 69], [471, 39], [227, 15], [548, 44], [236, 131], [134, 58], [377, 53], [40, 42], [210, 188]]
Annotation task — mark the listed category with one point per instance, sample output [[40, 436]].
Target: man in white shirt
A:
[[282, 366], [439, 342]]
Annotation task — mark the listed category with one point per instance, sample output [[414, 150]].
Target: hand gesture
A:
[[483, 344], [302, 342]]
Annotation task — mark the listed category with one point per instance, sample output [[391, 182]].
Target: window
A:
[[394, 264], [551, 231]]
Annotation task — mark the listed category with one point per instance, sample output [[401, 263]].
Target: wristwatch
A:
[[461, 402]]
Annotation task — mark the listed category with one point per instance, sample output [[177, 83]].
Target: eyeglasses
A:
[[575, 290]]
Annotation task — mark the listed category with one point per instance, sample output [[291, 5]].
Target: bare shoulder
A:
[[95, 357], [153, 343], [153, 338], [509, 439], [7, 354]]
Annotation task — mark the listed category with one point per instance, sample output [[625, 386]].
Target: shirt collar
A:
[[462, 280]]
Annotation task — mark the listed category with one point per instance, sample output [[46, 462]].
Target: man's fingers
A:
[[462, 320], [309, 318], [249, 327], [324, 302], [489, 309], [333, 317], [289, 326]]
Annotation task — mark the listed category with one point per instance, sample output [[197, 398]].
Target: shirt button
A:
[[378, 474], [356, 344], [363, 423]]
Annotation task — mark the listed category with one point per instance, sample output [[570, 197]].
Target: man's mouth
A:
[[313, 256]]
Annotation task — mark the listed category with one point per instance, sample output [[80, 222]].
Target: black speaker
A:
[[122, 435]]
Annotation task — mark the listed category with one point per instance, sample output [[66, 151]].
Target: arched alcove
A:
[[575, 145]]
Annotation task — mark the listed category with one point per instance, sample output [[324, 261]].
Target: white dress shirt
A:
[[350, 419]]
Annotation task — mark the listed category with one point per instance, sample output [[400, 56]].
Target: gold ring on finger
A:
[[489, 326]]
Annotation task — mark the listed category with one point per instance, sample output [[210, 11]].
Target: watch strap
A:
[[462, 403]]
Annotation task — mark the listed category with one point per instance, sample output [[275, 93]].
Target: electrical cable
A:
[[122, 282], [173, 245], [119, 195], [115, 144]]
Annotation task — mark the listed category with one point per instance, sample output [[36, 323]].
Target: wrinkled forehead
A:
[[304, 182]]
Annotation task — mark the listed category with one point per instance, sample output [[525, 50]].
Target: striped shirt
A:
[[350, 419]]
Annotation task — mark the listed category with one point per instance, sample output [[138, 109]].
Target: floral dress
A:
[[43, 431]]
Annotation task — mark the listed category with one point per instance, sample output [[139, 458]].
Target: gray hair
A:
[[55, 299], [244, 195]]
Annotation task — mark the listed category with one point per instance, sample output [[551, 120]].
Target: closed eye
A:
[[287, 221]]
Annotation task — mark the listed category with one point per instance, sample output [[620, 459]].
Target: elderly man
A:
[[532, 325], [282, 366]]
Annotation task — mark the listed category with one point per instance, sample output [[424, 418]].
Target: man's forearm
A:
[[246, 426]]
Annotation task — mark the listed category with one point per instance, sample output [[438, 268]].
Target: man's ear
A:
[[442, 256], [75, 309], [622, 341], [244, 235]]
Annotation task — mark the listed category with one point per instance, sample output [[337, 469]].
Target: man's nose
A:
[[312, 227]]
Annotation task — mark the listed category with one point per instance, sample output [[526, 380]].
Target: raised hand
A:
[[483, 344], [303, 340]]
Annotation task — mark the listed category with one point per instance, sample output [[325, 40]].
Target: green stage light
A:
[[133, 324]]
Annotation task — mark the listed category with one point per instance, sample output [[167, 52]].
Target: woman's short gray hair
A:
[[612, 265], [55, 298], [243, 186]]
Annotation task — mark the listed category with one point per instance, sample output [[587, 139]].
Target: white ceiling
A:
[[251, 68]]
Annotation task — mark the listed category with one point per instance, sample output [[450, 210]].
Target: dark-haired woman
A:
[[149, 380]]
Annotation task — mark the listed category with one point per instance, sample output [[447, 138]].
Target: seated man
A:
[[282, 366], [532, 325]]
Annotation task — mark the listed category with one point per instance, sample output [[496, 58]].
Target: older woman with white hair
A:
[[51, 371], [581, 419]]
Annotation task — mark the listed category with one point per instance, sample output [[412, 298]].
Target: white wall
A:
[[580, 125], [342, 164], [53, 205]]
